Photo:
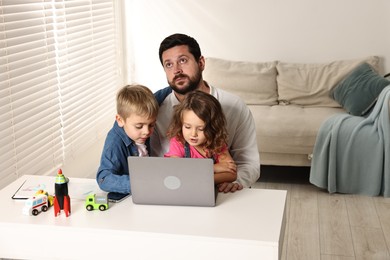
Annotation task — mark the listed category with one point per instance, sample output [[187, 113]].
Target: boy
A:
[[137, 111]]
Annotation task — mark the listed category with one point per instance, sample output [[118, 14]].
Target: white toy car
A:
[[35, 205]]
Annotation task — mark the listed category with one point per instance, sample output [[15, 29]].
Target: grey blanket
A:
[[352, 154]]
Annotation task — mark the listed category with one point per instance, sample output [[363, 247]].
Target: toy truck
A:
[[94, 201], [36, 204]]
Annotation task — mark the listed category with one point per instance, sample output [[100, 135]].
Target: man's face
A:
[[183, 71]]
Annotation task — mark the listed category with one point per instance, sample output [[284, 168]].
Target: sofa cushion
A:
[[254, 82], [289, 129], [358, 92], [310, 84]]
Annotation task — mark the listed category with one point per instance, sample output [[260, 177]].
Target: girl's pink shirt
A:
[[176, 149]]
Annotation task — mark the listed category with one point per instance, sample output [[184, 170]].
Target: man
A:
[[183, 64]]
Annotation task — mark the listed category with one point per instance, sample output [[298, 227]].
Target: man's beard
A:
[[191, 86]]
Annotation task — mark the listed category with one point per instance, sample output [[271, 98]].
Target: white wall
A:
[[257, 30]]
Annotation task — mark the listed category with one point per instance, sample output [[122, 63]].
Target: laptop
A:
[[172, 181]]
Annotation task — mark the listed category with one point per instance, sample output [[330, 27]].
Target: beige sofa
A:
[[289, 101]]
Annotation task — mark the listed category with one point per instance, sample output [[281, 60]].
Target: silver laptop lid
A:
[[172, 181]]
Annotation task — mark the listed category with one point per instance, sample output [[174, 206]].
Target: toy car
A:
[[49, 197], [94, 201], [35, 205]]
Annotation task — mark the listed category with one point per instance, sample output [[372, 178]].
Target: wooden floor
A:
[[327, 226]]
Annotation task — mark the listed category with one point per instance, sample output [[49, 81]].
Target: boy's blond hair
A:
[[136, 99]]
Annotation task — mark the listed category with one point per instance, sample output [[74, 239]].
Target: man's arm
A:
[[242, 140], [155, 144], [156, 138], [244, 149]]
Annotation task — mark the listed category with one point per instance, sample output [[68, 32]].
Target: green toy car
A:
[[94, 201]]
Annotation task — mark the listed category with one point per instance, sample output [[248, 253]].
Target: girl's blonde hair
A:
[[136, 99], [208, 109]]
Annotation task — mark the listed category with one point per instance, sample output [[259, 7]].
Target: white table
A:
[[248, 224]]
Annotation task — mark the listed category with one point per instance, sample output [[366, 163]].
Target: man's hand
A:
[[229, 187]]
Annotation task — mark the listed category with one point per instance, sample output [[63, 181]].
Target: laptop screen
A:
[[172, 181]]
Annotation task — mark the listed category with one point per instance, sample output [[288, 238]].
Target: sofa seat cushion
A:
[[254, 82], [310, 84], [289, 129]]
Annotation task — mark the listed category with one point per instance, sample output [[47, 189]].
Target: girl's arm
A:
[[226, 169]]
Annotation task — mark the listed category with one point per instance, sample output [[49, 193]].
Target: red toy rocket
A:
[[61, 199]]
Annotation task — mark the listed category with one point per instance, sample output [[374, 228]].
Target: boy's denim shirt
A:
[[113, 173]]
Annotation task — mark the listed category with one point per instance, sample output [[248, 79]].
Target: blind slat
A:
[[58, 81]]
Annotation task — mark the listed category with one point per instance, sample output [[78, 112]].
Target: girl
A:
[[198, 130]]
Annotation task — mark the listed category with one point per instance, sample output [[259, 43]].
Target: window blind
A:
[[59, 73]]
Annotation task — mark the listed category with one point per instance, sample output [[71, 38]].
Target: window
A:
[[60, 64]]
